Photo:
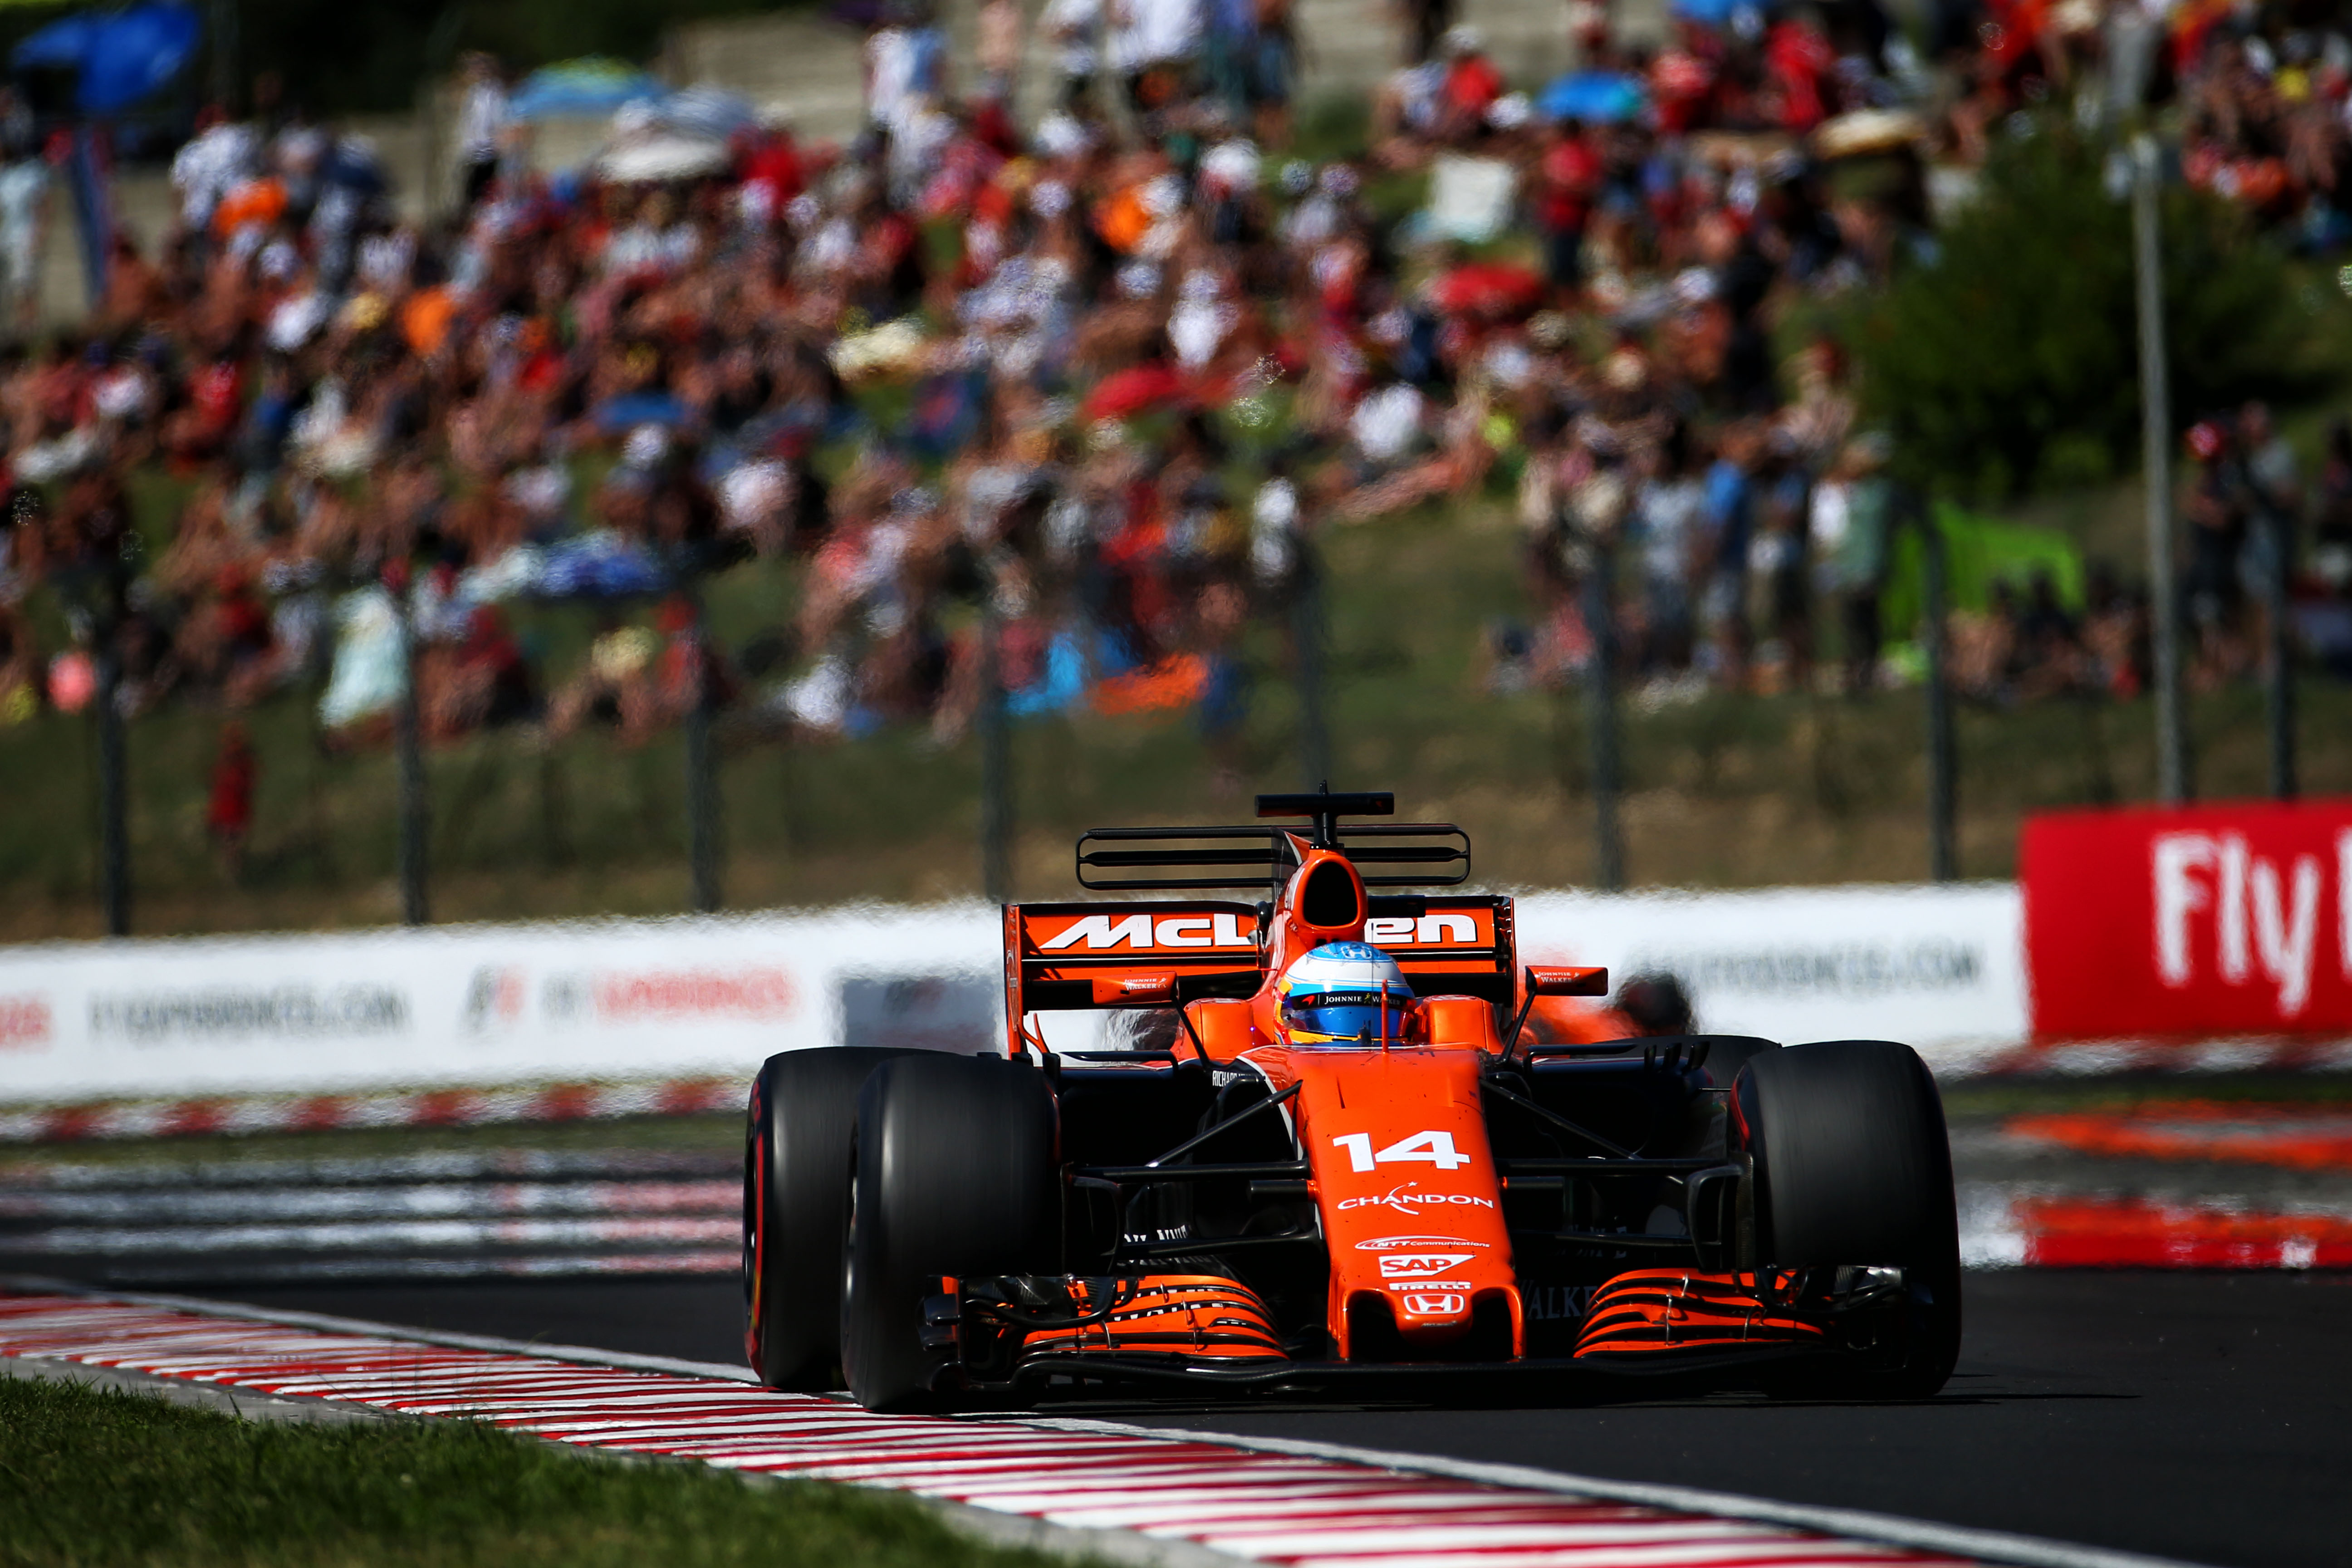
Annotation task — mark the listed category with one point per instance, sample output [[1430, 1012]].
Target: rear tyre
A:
[[1852, 1167], [954, 1174], [803, 1113]]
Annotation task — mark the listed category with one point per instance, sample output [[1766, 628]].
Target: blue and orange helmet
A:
[[1344, 992]]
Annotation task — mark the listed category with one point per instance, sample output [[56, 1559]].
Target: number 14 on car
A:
[[1429, 1147]]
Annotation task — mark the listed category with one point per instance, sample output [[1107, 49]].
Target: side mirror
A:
[[1544, 980], [1135, 991], [1561, 982]]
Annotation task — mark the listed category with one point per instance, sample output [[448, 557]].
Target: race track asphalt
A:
[[2206, 1417]]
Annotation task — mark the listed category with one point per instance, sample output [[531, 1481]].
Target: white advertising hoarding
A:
[[487, 1005], [477, 1005], [1941, 968]]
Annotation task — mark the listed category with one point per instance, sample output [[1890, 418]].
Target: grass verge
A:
[[1989, 1099], [93, 1476]]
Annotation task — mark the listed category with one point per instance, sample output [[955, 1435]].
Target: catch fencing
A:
[[2155, 929]]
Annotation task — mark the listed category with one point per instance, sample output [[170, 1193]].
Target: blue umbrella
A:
[[1602, 97], [1710, 13], [707, 111], [584, 87], [119, 56]]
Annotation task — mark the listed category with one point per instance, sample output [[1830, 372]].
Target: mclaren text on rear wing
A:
[[1448, 944]]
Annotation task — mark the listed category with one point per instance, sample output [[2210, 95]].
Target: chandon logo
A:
[[1407, 1199]]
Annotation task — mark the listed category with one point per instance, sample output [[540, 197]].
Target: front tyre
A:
[[1852, 1166], [955, 1174]]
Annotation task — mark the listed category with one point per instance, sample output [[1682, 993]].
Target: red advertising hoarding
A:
[[2209, 921]]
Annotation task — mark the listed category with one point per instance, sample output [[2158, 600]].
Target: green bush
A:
[[2009, 362]]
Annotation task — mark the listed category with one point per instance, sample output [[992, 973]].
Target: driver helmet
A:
[[1344, 992]]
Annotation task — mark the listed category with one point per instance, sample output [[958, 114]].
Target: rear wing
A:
[[1069, 957], [1078, 956]]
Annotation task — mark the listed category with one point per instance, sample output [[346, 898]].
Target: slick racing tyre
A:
[[954, 1174], [795, 1208], [1852, 1167]]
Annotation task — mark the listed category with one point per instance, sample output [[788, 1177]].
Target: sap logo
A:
[[1437, 1304], [1223, 929], [1403, 1200], [1418, 1264], [1391, 1243], [1409, 931], [2261, 910]]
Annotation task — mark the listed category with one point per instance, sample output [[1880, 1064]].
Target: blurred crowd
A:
[[1066, 396]]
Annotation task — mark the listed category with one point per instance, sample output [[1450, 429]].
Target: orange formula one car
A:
[[1348, 1164]]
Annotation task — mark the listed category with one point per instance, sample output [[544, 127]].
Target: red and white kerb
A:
[[1265, 1507]]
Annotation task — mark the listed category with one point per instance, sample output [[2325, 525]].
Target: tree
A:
[[2007, 360]]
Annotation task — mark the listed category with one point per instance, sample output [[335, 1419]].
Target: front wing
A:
[[1023, 1335]]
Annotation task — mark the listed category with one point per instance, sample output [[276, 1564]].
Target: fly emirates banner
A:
[[2225, 920]]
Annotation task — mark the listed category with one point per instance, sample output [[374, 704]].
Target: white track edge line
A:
[[1075, 1543], [1993, 1546], [1964, 1541]]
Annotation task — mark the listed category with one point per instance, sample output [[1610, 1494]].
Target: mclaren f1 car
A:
[[1349, 1162]]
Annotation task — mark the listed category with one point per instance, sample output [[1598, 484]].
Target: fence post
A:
[[1943, 784], [113, 787], [2278, 662], [995, 767], [2172, 782], [703, 826], [1307, 635], [1601, 701], [415, 822]]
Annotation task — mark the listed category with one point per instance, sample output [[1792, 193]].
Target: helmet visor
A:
[[1346, 1015]]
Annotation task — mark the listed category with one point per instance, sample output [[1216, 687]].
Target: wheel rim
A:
[[849, 1268], [755, 1255]]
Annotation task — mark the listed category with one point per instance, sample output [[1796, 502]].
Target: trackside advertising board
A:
[[487, 1005], [2216, 919], [1937, 967]]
